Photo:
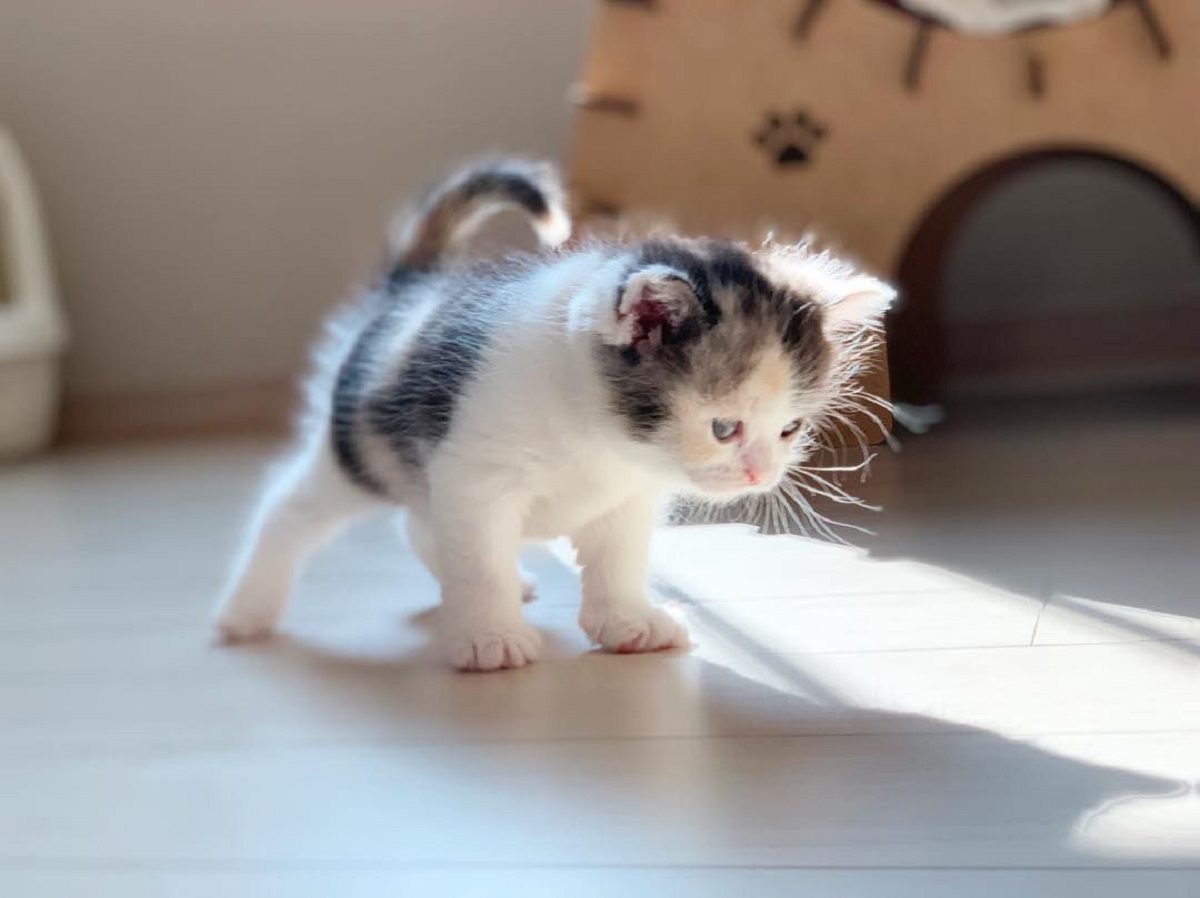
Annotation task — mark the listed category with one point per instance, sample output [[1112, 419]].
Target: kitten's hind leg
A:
[[529, 584], [306, 503], [421, 541]]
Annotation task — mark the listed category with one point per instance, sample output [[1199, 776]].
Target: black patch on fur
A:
[[804, 340], [399, 278], [510, 186], [349, 392], [638, 388], [800, 323], [734, 268], [644, 409], [415, 411]]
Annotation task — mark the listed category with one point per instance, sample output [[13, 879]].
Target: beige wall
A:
[[217, 174]]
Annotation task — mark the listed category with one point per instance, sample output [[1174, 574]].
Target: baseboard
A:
[[221, 411]]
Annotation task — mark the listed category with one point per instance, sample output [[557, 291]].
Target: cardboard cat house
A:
[[877, 123]]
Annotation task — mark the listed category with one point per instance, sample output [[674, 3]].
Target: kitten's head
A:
[[723, 361]]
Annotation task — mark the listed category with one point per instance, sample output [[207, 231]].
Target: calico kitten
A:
[[565, 393]]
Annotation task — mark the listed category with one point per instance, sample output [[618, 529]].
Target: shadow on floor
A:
[[615, 740]]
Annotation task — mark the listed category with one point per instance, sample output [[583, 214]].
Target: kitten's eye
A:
[[725, 429], [790, 431]]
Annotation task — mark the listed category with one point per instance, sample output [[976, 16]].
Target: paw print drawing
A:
[[790, 140]]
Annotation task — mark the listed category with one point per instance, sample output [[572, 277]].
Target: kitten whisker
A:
[[889, 437], [788, 524], [792, 515], [830, 522], [855, 430], [840, 496], [799, 502], [817, 520], [828, 489], [824, 482], [777, 515], [844, 469], [871, 398]]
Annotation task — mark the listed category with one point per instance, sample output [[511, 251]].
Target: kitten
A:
[[565, 393]]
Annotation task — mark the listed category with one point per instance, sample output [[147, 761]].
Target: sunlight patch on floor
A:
[[963, 653], [1143, 827]]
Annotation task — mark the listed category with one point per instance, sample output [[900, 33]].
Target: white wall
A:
[[217, 174]]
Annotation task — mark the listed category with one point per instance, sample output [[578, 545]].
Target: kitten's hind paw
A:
[[236, 623], [233, 630], [638, 630], [494, 647], [529, 586]]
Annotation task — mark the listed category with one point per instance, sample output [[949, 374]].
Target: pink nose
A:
[[756, 461]]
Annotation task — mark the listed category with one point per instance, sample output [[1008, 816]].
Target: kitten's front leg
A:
[[423, 544], [615, 553], [477, 541]]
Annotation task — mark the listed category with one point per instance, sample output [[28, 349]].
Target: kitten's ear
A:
[[860, 304], [652, 307]]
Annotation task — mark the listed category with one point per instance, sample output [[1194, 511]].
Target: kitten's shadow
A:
[[905, 782]]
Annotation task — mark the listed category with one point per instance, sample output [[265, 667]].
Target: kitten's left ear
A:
[[860, 304]]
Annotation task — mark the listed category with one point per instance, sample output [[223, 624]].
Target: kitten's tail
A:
[[422, 236]]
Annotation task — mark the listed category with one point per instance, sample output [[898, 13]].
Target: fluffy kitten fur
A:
[[565, 393]]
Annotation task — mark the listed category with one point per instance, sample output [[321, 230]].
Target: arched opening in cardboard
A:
[[1049, 270]]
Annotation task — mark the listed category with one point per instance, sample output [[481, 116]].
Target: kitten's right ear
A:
[[859, 303], [652, 307]]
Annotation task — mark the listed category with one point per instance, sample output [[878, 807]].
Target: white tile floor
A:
[[1002, 699]]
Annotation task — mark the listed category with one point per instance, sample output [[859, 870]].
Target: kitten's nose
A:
[[756, 460]]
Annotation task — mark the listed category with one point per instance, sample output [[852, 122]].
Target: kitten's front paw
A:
[[491, 647], [643, 629]]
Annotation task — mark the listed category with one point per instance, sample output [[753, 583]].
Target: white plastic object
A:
[[1003, 16], [33, 333]]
